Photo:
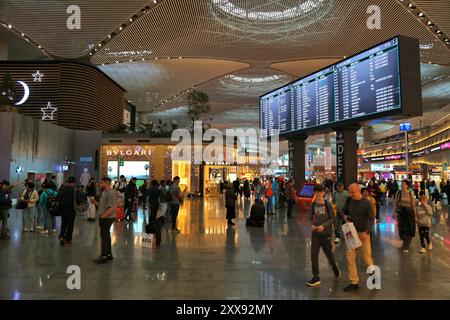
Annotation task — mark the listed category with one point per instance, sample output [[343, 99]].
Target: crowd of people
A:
[[332, 206]]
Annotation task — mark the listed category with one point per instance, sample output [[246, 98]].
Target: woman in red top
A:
[[269, 197]]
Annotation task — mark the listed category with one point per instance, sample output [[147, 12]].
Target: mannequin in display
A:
[[85, 177]]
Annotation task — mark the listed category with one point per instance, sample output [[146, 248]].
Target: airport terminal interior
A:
[[225, 150]]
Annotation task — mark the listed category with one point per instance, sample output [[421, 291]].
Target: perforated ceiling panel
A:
[[264, 32], [44, 21]]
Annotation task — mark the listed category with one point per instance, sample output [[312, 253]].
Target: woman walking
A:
[[30, 196], [406, 214]]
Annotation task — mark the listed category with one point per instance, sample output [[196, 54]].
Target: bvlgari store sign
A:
[[130, 152]]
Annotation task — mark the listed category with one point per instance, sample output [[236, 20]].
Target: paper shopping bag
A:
[[148, 240], [352, 240]]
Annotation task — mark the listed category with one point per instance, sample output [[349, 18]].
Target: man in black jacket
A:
[[130, 197], [67, 196], [5, 205]]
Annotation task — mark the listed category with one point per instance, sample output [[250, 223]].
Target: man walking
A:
[[340, 197], [107, 215], [130, 198], [67, 197], [359, 211], [176, 197]]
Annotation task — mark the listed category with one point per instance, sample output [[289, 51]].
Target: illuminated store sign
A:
[[381, 167], [127, 151]]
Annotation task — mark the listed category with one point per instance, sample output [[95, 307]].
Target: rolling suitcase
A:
[[120, 213]]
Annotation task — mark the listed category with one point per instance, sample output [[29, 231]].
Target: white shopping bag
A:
[[148, 240], [352, 240]]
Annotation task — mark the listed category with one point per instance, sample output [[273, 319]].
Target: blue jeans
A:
[[49, 220], [269, 205], [28, 216]]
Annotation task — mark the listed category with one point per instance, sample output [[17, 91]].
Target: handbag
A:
[[352, 240], [21, 204]]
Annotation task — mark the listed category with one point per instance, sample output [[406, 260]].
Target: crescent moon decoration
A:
[[26, 94]]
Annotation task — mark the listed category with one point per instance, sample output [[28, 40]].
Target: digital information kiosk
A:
[[380, 83]]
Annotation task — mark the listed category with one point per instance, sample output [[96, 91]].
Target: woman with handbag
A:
[[31, 197], [405, 213]]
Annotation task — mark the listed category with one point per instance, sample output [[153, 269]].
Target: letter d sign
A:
[[374, 281], [74, 281]]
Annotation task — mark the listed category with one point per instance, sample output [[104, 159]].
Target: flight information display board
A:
[[361, 87]]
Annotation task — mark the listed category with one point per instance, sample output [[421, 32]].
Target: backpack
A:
[[331, 216], [52, 204], [168, 196]]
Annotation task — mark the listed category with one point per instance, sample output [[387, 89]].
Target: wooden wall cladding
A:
[[86, 98]]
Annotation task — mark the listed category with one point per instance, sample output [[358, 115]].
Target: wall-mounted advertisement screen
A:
[[365, 86], [130, 169]]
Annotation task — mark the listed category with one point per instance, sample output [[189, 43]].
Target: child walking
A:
[[424, 213]]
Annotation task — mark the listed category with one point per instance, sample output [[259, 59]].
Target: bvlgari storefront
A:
[[146, 161]]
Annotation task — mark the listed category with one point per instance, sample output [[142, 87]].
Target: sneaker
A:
[[25, 229], [337, 240], [39, 227], [430, 247], [54, 230], [337, 272], [351, 287], [314, 282], [423, 250], [44, 232], [109, 257], [405, 251], [101, 260]]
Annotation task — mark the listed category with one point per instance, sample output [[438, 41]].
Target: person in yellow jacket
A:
[[31, 196]]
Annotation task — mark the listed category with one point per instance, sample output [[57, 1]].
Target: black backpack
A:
[[52, 204]]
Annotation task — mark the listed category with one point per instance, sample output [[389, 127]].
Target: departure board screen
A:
[[362, 86]]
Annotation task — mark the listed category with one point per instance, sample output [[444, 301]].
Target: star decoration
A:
[[37, 76], [48, 112]]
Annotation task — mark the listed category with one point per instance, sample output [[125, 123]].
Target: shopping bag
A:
[[352, 240], [148, 240]]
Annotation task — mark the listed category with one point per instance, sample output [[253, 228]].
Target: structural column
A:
[[346, 154], [297, 156]]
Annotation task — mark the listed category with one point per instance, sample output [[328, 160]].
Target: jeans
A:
[[91, 209], [39, 217], [174, 208], [366, 254], [28, 216], [4, 219], [291, 203], [67, 224], [321, 241], [105, 235], [49, 220], [269, 205], [424, 233], [338, 225]]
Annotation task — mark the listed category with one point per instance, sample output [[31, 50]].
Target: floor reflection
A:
[[211, 260]]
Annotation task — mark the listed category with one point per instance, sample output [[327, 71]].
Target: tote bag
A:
[[352, 240]]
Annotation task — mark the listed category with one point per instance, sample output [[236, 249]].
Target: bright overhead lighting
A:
[[304, 8], [9, 26]]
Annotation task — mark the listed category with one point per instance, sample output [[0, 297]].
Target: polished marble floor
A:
[[209, 260]]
